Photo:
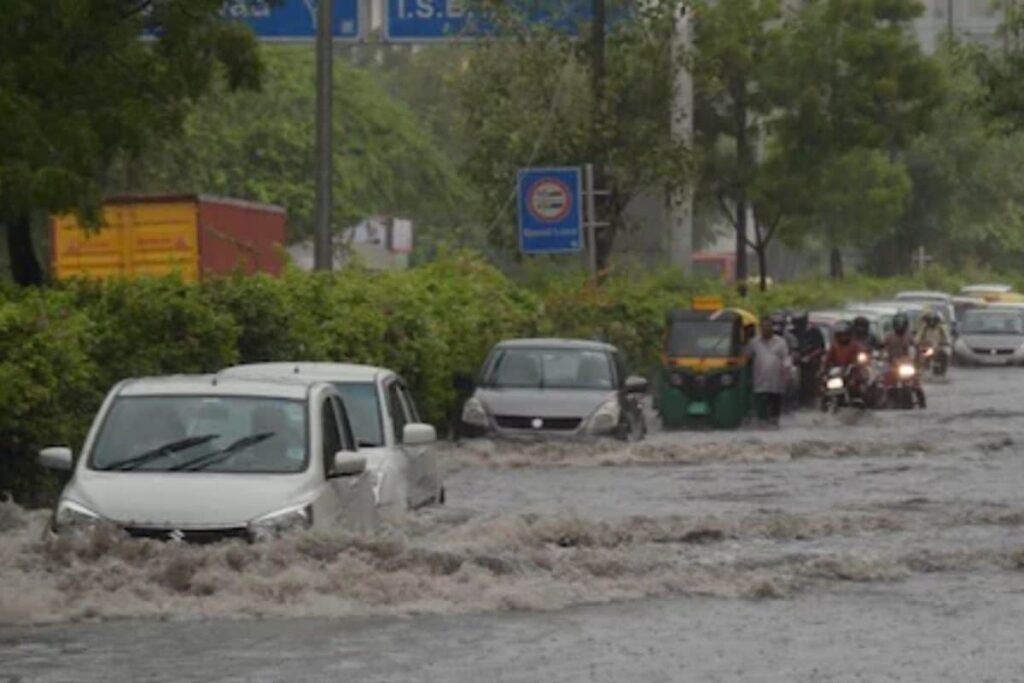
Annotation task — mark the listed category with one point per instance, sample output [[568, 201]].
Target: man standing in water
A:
[[770, 356]]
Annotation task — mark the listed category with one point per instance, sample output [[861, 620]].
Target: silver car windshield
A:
[[551, 368], [203, 433], [363, 412], [989, 322]]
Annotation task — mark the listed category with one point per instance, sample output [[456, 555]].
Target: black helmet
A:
[[900, 323], [861, 326], [799, 320], [931, 319], [843, 332]]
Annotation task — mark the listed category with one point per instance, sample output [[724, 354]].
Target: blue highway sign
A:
[[550, 204], [418, 21], [293, 20]]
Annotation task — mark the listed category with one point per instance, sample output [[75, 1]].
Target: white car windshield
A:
[[202, 433], [990, 322], [363, 412], [551, 368]]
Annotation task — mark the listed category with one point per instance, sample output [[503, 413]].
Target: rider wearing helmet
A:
[[899, 342], [863, 335], [845, 350], [933, 331], [810, 349]]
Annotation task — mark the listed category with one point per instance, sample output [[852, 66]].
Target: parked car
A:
[[387, 426], [991, 337], [205, 458], [556, 387]]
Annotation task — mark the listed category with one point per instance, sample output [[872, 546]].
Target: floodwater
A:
[[869, 547]]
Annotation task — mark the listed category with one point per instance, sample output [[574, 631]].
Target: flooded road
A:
[[863, 548]]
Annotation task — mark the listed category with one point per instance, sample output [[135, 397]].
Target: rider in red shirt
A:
[[844, 350]]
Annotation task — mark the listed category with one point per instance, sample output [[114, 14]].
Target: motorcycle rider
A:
[[845, 352], [933, 333], [899, 343], [863, 335], [810, 350]]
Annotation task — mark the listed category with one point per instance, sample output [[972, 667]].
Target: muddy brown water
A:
[[865, 548]]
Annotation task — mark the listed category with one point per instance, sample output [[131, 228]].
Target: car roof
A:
[[554, 343], [978, 289], [216, 385], [324, 372]]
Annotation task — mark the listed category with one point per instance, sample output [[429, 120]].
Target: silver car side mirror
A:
[[348, 464], [56, 458], [418, 434]]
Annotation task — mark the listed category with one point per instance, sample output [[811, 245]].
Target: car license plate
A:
[[699, 408]]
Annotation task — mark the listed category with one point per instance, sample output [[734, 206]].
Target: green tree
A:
[[530, 101], [259, 145], [858, 91], [78, 87]]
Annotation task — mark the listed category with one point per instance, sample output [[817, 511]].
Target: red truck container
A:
[[196, 236]]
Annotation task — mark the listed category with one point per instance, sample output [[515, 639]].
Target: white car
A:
[[387, 426], [204, 458]]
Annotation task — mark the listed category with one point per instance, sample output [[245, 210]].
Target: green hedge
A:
[[61, 348]]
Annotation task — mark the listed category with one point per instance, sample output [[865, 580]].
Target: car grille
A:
[[198, 536], [993, 352], [558, 424]]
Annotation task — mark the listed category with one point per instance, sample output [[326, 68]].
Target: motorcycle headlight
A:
[[834, 383], [473, 413], [71, 516], [289, 520], [863, 358], [929, 352], [906, 371], [606, 417]]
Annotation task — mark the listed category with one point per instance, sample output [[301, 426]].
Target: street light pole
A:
[[680, 238], [322, 243]]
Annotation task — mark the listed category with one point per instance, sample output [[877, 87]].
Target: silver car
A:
[[387, 426], [205, 458], [556, 387], [991, 337]]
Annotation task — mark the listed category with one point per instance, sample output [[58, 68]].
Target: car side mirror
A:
[[348, 464], [636, 385], [463, 383], [56, 458], [418, 434]]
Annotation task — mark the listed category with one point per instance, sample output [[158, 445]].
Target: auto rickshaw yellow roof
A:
[[745, 316]]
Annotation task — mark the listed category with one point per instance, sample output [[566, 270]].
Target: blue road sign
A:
[[550, 210], [293, 20], [418, 21]]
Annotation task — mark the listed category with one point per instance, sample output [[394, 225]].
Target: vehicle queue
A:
[[258, 450]]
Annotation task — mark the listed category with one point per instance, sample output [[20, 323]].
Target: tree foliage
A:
[[78, 87], [260, 146]]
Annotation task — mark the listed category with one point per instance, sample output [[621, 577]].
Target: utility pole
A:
[[680, 238], [597, 68], [322, 242], [950, 24]]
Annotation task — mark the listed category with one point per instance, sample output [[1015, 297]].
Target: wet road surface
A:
[[872, 548]]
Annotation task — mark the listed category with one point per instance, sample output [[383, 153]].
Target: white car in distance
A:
[[386, 423], [206, 458]]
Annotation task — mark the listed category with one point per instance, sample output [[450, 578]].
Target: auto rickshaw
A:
[[705, 378]]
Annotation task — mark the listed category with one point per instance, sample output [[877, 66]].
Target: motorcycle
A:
[[934, 360], [844, 387], [903, 388]]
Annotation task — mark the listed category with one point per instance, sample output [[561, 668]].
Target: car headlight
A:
[[71, 516], [288, 520], [473, 413], [834, 383], [906, 371], [606, 417]]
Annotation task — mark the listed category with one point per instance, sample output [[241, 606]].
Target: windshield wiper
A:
[[137, 461], [204, 461]]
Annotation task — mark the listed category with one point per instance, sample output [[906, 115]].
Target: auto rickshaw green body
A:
[[705, 379]]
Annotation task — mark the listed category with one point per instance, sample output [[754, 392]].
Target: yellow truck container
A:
[[191, 235]]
